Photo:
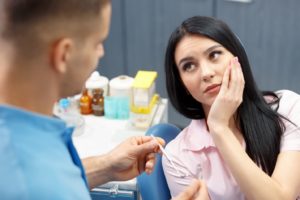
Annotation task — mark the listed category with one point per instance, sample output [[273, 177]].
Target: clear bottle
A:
[[85, 103], [98, 102], [71, 117]]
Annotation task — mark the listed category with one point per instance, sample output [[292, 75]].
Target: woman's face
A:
[[201, 64]]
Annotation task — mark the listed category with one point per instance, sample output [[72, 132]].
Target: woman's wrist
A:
[[216, 127], [219, 132]]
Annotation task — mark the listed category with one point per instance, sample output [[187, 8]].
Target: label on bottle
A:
[[84, 104], [98, 109]]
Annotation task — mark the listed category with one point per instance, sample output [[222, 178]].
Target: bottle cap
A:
[[96, 81], [121, 86], [64, 103], [98, 91]]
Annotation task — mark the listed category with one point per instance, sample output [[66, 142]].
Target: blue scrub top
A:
[[37, 158]]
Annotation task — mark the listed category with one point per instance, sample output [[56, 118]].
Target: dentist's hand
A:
[[196, 191], [128, 160], [133, 156]]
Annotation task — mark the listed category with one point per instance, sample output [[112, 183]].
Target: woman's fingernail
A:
[[237, 58]]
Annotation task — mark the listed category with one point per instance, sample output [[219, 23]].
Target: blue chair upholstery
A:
[[154, 186]]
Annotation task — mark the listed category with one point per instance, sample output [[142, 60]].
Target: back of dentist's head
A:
[[31, 24]]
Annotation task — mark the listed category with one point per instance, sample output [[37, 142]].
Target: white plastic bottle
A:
[[97, 81]]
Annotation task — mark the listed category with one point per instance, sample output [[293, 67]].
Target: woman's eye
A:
[[215, 55], [187, 67]]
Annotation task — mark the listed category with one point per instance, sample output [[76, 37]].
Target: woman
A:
[[243, 143]]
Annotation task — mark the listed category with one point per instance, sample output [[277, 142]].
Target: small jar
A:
[[85, 103], [98, 102]]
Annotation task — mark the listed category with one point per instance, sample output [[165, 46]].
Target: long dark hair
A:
[[261, 126]]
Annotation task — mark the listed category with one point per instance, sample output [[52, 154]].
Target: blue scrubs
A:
[[37, 158]]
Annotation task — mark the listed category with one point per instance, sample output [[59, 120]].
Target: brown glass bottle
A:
[[85, 103], [98, 102]]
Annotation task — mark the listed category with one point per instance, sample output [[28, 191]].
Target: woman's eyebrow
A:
[[207, 51], [189, 58]]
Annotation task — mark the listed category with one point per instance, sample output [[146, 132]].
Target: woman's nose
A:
[[207, 72]]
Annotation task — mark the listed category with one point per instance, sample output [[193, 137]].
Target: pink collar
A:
[[196, 137]]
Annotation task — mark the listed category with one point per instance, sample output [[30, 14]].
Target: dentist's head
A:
[[50, 47]]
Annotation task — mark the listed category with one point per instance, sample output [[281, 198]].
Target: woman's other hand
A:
[[196, 191]]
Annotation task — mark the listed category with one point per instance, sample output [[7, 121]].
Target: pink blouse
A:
[[195, 155]]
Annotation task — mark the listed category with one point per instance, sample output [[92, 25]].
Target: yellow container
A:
[[142, 117], [145, 109], [144, 88]]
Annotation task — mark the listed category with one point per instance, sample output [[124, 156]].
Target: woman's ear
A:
[[61, 54]]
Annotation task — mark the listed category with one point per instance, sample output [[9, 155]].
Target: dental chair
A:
[[154, 186]]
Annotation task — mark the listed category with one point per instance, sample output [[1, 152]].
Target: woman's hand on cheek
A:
[[229, 97]]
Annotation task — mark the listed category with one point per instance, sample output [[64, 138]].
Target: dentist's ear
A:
[[60, 54]]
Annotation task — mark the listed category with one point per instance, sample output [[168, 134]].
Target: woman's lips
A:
[[212, 88]]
